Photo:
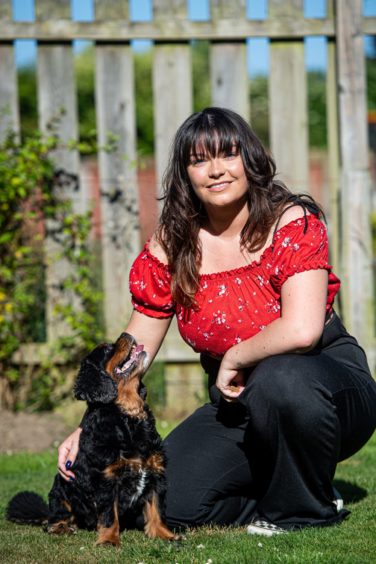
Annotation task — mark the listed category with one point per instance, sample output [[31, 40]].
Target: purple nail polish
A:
[[68, 464], [71, 478]]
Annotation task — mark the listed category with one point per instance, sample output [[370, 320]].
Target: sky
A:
[[141, 10]]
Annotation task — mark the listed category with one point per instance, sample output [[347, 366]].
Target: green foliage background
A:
[[30, 207]]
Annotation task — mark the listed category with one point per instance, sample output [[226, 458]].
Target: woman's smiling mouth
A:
[[218, 186]]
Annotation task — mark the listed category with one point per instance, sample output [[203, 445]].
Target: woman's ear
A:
[[93, 384]]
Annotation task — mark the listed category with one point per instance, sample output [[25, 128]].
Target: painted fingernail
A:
[[72, 479], [68, 464]]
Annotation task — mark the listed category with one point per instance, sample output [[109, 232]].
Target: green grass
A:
[[352, 542]]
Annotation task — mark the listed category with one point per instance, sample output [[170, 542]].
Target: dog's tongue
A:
[[134, 354]]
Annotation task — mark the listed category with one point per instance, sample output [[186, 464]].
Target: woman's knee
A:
[[287, 385]]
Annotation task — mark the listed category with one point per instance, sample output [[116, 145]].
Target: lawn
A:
[[352, 542]]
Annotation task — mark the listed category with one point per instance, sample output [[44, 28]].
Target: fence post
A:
[[333, 148], [228, 62], [172, 85], [9, 113], [355, 181], [115, 102], [57, 99], [288, 101]]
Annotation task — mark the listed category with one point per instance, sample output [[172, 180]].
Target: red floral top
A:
[[235, 305]]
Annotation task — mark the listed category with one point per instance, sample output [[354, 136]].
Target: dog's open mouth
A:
[[131, 362]]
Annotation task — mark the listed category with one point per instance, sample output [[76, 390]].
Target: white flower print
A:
[[286, 241], [273, 307], [219, 317], [222, 290]]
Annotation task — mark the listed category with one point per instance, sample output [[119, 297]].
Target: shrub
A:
[[31, 210]]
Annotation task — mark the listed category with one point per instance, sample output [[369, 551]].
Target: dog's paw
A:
[[61, 528], [108, 542]]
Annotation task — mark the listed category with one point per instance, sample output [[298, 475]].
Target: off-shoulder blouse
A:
[[235, 304]]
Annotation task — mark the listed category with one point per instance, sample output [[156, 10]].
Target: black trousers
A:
[[274, 453]]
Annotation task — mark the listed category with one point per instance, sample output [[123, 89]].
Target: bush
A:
[[31, 209]]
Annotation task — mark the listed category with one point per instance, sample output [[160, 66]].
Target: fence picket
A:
[[228, 62], [356, 256], [115, 103], [57, 103], [288, 102]]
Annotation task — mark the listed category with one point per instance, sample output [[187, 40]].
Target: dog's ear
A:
[[93, 384]]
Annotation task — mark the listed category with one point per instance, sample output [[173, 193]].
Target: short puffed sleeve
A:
[[299, 246], [150, 286]]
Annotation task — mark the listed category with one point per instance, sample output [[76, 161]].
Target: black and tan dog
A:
[[120, 466]]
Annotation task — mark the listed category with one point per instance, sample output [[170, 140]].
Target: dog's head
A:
[[113, 372]]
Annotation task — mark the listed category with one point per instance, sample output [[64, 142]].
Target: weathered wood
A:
[[333, 156], [228, 62], [6, 10], [172, 85], [9, 116], [171, 30], [333, 151], [356, 256], [115, 103], [288, 103], [9, 113], [57, 102], [222, 9], [229, 77], [184, 388], [111, 10], [51, 10]]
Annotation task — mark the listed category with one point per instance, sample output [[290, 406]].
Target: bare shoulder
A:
[[156, 249], [290, 214]]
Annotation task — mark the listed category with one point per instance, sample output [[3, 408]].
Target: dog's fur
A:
[[120, 466]]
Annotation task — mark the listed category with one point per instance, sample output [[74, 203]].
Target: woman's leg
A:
[[208, 474], [306, 412]]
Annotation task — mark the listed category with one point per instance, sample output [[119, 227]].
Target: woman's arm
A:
[[147, 331], [303, 304]]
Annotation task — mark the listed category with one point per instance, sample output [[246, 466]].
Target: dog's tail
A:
[[27, 508]]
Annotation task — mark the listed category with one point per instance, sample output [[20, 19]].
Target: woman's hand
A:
[[67, 454], [230, 381]]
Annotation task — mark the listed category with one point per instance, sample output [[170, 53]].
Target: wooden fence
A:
[[227, 31]]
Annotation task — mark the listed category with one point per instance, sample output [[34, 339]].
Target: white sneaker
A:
[[265, 528], [338, 501]]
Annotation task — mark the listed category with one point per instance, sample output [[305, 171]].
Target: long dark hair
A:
[[214, 131]]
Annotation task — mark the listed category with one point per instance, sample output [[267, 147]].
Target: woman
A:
[[243, 263]]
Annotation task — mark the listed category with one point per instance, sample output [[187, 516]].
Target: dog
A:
[[120, 467]]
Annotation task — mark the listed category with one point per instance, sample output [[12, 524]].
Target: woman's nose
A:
[[216, 167]]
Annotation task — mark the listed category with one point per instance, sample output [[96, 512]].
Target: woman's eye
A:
[[197, 161], [230, 155]]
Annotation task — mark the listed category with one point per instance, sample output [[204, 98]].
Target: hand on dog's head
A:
[[98, 377]]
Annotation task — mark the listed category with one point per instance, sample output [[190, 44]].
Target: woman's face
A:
[[220, 180]]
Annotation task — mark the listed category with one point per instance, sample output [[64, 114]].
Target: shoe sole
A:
[[256, 530]]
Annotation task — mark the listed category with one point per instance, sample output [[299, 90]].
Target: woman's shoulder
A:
[[291, 213], [156, 250]]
